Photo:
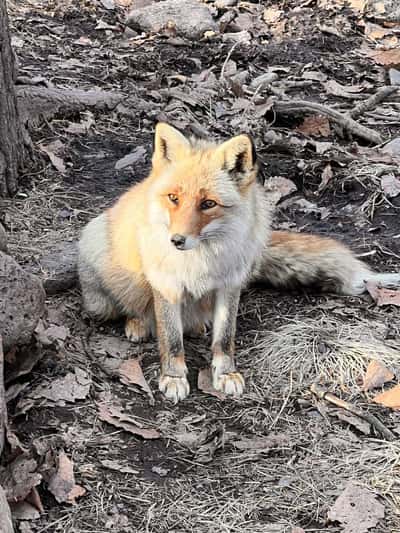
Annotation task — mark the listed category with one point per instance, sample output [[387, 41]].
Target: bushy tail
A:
[[293, 260]]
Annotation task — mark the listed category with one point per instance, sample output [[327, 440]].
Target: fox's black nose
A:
[[178, 241]]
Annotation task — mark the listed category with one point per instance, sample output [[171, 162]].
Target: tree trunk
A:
[[3, 408], [12, 147], [6, 525]]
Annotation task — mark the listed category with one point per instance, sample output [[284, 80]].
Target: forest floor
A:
[[277, 459]]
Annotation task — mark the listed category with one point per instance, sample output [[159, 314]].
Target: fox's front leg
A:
[[173, 382], [224, 375]]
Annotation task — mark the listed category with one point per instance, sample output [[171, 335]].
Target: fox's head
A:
[[199, 188]]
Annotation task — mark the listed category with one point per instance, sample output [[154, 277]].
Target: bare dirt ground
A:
[[277, 458]]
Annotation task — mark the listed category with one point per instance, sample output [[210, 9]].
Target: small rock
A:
[[21, 302], [223, 4], [392, 147], [3, 239], [190, 19], [243, 37], [58, 268], [394, 76], [264, 80]]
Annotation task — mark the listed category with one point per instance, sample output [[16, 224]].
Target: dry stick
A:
[[371, 102], [323, 394], [293, 107]]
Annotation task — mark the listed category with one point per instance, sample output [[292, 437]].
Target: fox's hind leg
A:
[[96, 301], [137, 329]]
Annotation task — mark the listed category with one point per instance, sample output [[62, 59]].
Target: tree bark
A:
[[3, 408], [12, 147], [6, 525]]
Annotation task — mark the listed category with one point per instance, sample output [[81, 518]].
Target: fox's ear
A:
[[169, 144], [238, 157]]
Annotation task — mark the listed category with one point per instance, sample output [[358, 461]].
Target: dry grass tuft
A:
[[324, 350]]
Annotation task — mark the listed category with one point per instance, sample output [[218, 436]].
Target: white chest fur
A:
[[226, 262]]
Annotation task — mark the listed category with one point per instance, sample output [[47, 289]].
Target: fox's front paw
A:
[[136, 330], [175, 389], [231, 384]]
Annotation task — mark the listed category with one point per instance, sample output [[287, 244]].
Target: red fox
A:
[[174, 252]]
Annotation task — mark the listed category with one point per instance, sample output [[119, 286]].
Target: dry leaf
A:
[[315, 125], [362, 425], [20, 478], [72, 387], [374, 32], [118, 467], [138, 155], [24, 511], [52, 334], [304, 206], [387, 58], [383, 296], [326, 176], [357, 509], [358, 5], [62, 483], [272, 15], [204, 383], [345, 91], [376, 375], [389, 398], [130, 373], [280, 186], [115, 416], [278, 440], [390, 186], [56, 161]]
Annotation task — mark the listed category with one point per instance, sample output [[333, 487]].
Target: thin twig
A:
[[323, 394], [284, 403], [372, 101], [222, 75], [294, 107]]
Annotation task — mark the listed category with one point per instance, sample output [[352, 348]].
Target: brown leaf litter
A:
[[357, 509], [316, 126], [389, 398], [204, 383], [114, 415], [383, 296], [20, 479], [377, 374], [260, 444], [70, 388], [62, 483], [130, 373]]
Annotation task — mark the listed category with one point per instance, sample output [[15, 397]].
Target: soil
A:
[[211, 485]]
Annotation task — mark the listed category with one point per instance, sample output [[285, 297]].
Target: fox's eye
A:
[[207, 204], [174, 199]]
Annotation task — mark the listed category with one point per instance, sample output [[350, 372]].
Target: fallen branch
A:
[[35, 103], [323, 394], [294, 107], [371, 102]]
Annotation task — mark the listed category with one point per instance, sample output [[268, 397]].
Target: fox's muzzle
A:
[[178, 241], [183, 242]]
